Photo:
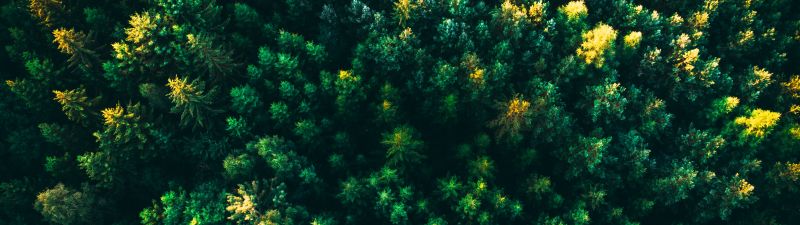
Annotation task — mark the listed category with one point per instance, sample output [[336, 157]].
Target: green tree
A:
[[191, 100], [403, 147]]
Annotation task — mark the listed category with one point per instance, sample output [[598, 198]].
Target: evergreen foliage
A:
[[348, 112]]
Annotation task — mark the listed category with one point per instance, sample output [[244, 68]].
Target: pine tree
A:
[[191, 100], [75, 104]]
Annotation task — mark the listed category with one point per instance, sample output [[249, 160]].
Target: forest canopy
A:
[[349, 112]]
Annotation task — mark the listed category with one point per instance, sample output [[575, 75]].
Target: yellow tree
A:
[[597, 44], [753, 128], [574, 10]]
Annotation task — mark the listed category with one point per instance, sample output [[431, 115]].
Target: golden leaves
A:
[[517, 107], [633, 39], [758, 123], [595, 44], [68, 40], [792, 86], [122, 50], [574, 10], [115, 116], [142, 25], [180, 90], [741, 187]]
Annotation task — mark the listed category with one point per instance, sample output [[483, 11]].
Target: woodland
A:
[[399, 112]]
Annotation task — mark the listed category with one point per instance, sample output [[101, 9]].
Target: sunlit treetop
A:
[[675, 20], [402, 10], [699, 20], [122, 51], [536, 11], [790, 171], [792, 86], [575, 10], [142, 26], [180, 90], [477, 76], [596, 43], [242, 205], [730, 103], [514, 116], [45, 10], [74, 103], [517, 107], [511, 12], [762, 77], [741, 188], [688, 58], [759, 123], [346, 75], [116, 116], [68, 40], [632, 39]]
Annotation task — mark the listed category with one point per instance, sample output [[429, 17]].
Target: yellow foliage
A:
[[70, 96], [731, 103], [517, 107], [675, 20], [67, 40], [792, 86], [346, 75], [142, 25], [43, 9], [655, 16], [699, 20], [511, 12], [114, 117], [406, 34], [711, 5], [242, 205], [762, 76], [386, 105], [595, 43], [791, 171], [632, 40], [191, 40], [741, 187], [477, 76], [758, 123], [683, 41], [180, 90], [536, 12], [403, 10], [122, 50], [744, 37], [688, 59], [575, 10]]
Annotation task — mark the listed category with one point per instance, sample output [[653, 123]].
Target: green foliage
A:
[[403, 147], [399, 112], [190, 100], [204, 205]]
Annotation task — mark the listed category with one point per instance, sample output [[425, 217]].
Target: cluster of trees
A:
[[433, 112]]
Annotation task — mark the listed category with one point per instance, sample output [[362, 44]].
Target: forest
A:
[[399, 112]]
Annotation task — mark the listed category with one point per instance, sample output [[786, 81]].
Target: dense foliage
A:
[[338, 112]]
